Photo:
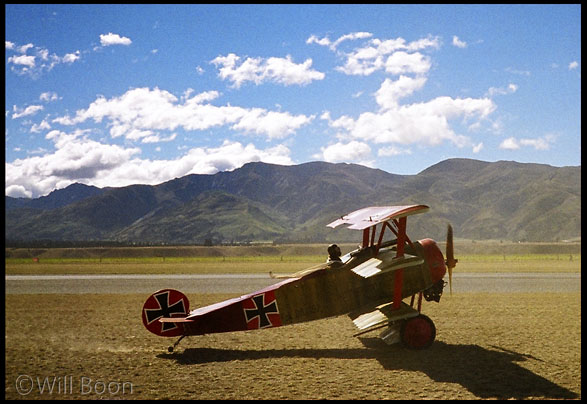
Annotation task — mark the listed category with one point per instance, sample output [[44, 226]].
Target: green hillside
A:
[[483, 201]]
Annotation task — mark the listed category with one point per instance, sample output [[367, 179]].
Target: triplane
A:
[[368, 284]]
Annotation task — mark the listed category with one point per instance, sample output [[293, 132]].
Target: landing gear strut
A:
[[171, 348]]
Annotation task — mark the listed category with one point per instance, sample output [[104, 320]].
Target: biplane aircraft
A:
[[367, 284]]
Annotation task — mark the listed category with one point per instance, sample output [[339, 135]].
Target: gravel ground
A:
[[488, 346]]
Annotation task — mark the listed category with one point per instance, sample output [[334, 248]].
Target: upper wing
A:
[[367, 217], [385, 262]]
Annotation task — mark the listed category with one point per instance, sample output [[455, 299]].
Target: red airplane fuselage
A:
[[329, 291]]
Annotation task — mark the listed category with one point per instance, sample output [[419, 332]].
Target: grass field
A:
[[473, 257], [263, 264]]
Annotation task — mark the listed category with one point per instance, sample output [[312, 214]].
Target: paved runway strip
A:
[[246, 283]]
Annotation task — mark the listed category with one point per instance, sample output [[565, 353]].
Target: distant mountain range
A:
[[264, 202]]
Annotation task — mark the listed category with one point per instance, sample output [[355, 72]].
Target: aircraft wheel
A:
[[418, 332]]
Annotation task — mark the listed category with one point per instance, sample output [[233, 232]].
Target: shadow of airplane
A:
[[486, 373]]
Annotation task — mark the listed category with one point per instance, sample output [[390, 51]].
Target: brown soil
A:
[[488, 346]]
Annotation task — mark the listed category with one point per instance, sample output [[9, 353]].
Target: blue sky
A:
[[113, 95]]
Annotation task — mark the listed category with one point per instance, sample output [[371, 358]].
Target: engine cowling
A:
[[434, 259]]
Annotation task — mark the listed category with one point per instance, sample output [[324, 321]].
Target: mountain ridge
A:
[[261, 201]]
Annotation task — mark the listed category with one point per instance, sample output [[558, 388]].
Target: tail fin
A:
[[162, 304]]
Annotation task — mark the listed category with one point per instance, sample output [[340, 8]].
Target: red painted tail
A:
[[163, 304]]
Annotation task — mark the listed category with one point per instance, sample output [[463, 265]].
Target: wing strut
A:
[[365, 238], [369, 234], [402, 238], [399, 274]]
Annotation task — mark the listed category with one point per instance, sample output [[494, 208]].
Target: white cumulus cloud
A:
[[28, 111], [353, 151], [458, 43], [541, 143], [258, 70], [424, 123], [37, 63], [23, 60], [110, 39], [333, 45], [141, 112], [77, 158], [510, 89], [396, 56]]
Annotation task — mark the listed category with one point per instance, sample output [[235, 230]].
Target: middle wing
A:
[[386, 262]]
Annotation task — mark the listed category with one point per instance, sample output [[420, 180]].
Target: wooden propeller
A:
[[451, 262]]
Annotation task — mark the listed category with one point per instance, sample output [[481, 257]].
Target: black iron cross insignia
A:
[[261, 311], [165, 310]]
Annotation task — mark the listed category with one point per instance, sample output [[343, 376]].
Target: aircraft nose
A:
[[434, 259]]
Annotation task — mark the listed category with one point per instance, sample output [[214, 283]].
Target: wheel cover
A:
[[418, 332]]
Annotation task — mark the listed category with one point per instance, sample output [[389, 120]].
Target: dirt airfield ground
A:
[[488, 346]]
